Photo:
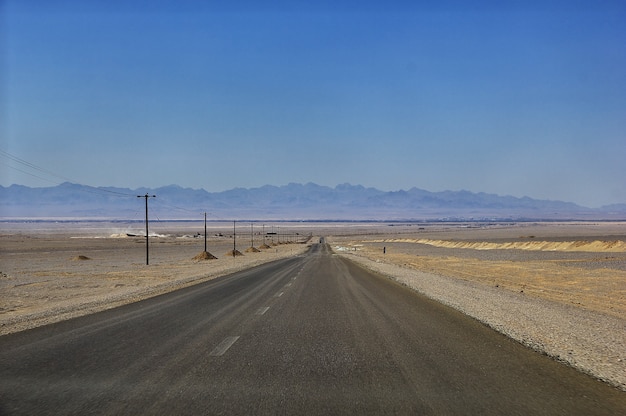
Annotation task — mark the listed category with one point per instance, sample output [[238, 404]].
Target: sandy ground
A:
[[558, 287], [52, 272]]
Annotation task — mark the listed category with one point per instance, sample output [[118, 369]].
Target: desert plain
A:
[[557, 287]]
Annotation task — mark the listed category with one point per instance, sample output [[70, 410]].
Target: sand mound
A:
[[80, 258], [588, 246], [264, 246], [252, 250], [234, 253], [205, 255]]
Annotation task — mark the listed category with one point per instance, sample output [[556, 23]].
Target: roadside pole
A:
[[147, 245]]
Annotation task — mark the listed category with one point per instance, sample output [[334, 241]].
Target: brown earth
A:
[[205, 255]]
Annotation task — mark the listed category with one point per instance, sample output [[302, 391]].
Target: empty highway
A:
[[314, 335]]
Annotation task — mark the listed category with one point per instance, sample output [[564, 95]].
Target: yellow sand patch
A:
[[602, 290], [588, 246]]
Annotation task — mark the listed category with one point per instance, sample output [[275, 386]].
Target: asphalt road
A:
[[314, 334]]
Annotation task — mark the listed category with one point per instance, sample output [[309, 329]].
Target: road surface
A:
[[314, 334]]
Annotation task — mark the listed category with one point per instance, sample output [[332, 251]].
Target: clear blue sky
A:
[[523, 99]]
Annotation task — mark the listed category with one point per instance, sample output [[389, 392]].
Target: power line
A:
[[40, 169], [176, 207], [31, 165], [30, 173], [199, 212], [40, 173]]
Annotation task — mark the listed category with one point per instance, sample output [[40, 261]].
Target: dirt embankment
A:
[[614, 246], [596, 283]]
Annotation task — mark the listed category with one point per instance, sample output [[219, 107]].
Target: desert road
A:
[[313, 335]]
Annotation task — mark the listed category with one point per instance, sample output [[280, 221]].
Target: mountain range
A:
[[289, 202]]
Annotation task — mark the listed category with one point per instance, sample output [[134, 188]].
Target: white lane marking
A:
[[288, 284], [223, 346], [261, 311], [279, 294]]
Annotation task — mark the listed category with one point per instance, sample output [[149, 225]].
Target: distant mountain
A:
[[290, 202]]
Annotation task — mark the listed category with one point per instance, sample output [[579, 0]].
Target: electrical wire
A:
[[39, 169], [28, 173], [31, 165]]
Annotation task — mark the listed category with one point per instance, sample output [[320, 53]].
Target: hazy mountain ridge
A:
[[292, 201]]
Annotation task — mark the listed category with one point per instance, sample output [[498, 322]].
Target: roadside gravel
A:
[[592, 342]]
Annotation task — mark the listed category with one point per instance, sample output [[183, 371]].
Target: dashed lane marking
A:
[[224, 346], [279, 294], [261, 311]]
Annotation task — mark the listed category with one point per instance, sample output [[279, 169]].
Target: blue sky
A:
[[523, 99]]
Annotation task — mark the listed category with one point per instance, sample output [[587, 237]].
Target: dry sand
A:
[[559, 288], [61, 271]]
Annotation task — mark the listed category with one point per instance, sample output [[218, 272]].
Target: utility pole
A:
[[147, 249], [205, 231], [234, 239]]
